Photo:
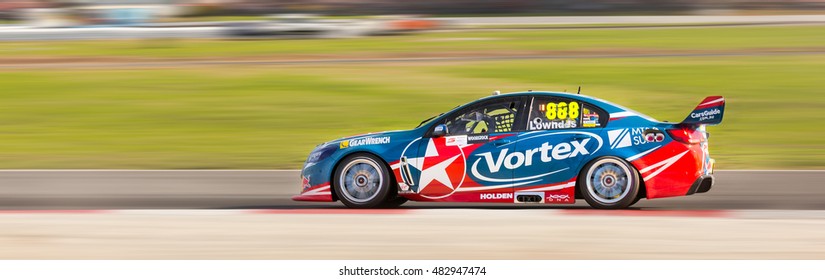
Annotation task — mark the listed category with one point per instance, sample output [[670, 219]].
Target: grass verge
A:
[[271, 116]]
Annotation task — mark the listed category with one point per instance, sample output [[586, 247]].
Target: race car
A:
[[523, 147]]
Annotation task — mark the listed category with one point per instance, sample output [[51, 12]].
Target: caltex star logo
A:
[[442, 169]]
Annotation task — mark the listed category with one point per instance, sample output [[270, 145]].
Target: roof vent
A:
[[496, 92]]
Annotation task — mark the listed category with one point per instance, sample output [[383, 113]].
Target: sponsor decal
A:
[[541, 124], [706, 114], [619, 138], [529, 197], [442, 168], [305, 182], [464, 140], [475, 139], [505, 159], [544, 153], [490, 196], [460, 140], [364, 141], [590, 115], [590, 119], [556, 198], [626, 137]]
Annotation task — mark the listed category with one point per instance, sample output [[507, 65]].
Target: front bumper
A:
[[320, 193]]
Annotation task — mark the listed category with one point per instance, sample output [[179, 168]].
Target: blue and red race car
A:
[[526, 147]]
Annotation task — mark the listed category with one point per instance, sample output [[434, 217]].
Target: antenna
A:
[[579, 91]]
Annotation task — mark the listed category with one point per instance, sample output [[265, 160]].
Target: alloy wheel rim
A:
[[609, 182], [360, 180]]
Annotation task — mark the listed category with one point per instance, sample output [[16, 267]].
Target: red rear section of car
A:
[[683, 166], [672, 169]]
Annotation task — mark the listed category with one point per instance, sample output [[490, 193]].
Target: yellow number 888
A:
[[562, 110]]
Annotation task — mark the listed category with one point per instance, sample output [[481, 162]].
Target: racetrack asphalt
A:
[[214, 214], [272, 189]]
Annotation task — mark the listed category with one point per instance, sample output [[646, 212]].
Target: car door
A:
[[560, 136], [464, 165]]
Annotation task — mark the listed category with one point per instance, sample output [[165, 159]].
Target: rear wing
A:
[[708, 112]]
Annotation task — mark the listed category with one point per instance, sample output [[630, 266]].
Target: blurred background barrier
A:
[[108, 11], [204, 85]]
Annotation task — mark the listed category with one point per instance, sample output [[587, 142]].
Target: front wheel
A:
[[609, 183], [362, 181]]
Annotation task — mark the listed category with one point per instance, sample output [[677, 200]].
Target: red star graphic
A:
[[442, 169]]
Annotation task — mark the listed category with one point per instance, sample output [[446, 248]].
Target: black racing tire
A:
[[638, 197], [362, 181], [609, 183]]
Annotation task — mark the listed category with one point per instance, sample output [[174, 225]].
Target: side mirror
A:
[[440, 130]]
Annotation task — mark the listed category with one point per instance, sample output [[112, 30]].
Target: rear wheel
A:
[[609, 183], [638, 197], [362, 181]]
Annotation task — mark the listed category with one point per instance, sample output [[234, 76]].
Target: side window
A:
[[554, 113], [593, 116], [488, 118]]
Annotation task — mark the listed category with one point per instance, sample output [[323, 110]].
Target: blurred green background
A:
[[262, 116]]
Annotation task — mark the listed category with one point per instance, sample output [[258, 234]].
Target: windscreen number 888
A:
[[562, 110]]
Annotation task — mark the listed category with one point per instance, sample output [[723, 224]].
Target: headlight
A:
[[321, 153]]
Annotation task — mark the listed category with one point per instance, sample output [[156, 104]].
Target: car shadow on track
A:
[[411, 207]]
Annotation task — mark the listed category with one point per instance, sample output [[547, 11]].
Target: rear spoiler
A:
[[708, 112]]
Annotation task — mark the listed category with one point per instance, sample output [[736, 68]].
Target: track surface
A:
[[31, 190], [412, 234], [248, 215]]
